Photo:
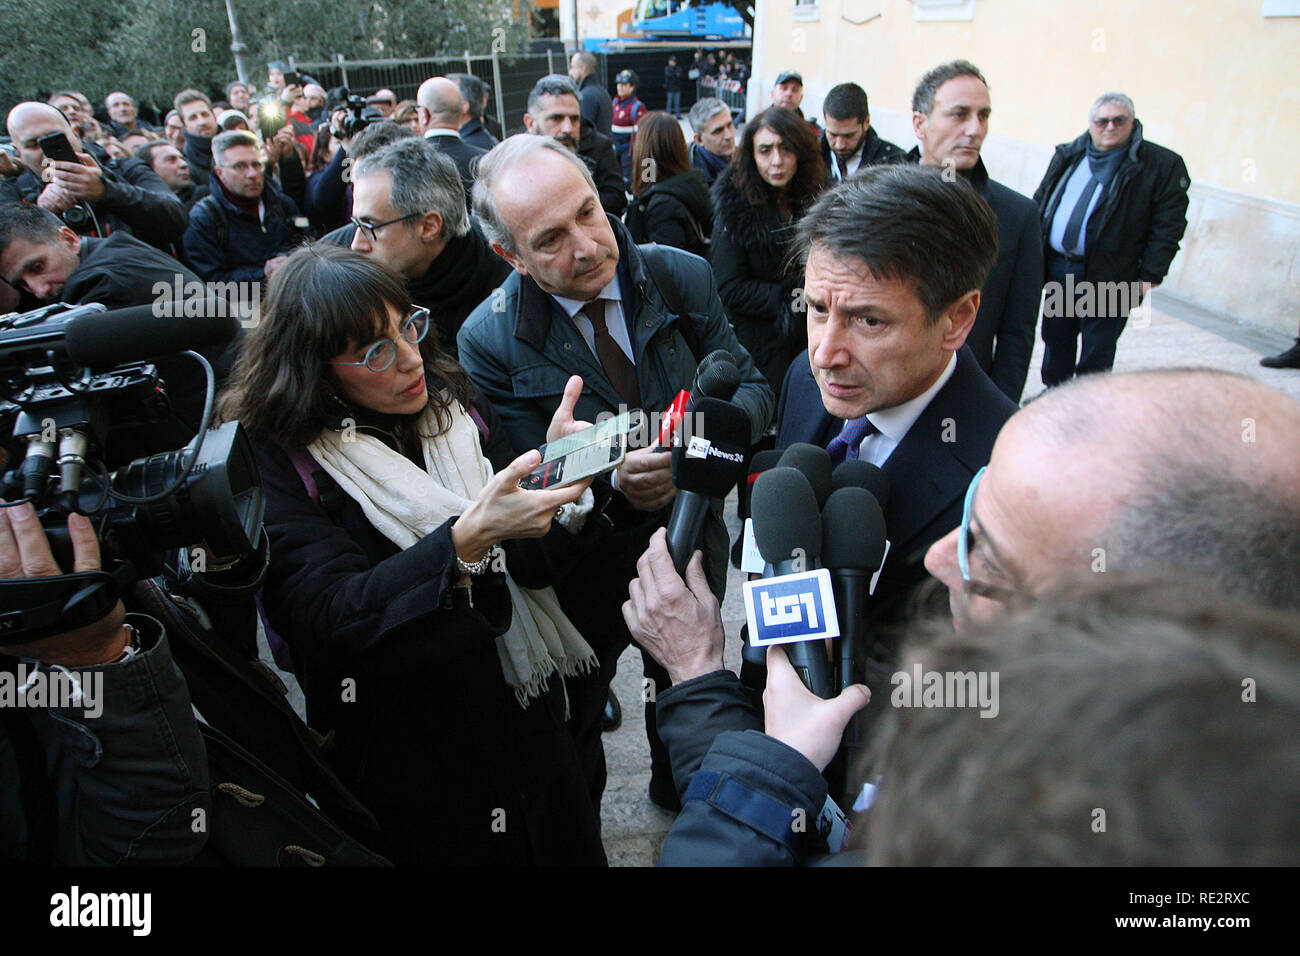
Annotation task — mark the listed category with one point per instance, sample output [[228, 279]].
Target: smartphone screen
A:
[[580, 463], [624, 424]]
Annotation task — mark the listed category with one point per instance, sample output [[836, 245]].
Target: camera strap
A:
[[54, 605]]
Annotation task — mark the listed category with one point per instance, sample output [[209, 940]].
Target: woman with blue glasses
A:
[[409, 572]]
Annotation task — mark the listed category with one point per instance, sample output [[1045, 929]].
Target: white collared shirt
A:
[[614, 319], [441, 132], [850, 165], [893, 424]]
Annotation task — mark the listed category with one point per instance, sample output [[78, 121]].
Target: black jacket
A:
[[136, 200], [748, 256], [465, 273], [476, 134], [596, 105], [1003, 336], [1134, 231], [430, 738], [224, 243], [676, 212], [463, 155], [875, 152], [597, 151]]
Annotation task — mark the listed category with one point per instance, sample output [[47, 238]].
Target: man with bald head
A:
[[95, 195], [441, 105], [584, 298], [1182, 471]]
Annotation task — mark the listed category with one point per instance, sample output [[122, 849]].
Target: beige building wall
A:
[[1215, 81]]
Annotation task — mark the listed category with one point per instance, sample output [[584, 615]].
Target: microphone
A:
[[133, 334], [788, 531], [715, 377], [853, 545], [761, 462], [708, 462], [815, 463], [862, 474]]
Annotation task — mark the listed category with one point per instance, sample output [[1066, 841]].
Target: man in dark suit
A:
[[440, 108], [894, 262], [950, 116]]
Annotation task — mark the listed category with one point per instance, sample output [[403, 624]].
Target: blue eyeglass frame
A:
[[416, 313], [990, 591]]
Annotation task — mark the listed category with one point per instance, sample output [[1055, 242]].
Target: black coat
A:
[[476, 134], [597, 151], [198, 153], [224, 243], [875, 152], [136, 200], [675, 212], [748, 256], [430, 737], [1002, 338], [1134, 231], [463, 155], [596, 105]]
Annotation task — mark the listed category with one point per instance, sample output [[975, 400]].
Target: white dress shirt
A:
[[614, 319], [893, 424]]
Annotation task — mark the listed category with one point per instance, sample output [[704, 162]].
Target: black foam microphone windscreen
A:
[[862, 474], [787, 521], [721, 379], [853, 530], [815, 463], [105, 339], [708, 462]]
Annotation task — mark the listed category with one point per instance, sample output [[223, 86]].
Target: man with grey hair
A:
[[244, 228], [1113, 209], [441, 105], [474, 93], [597, 106], [950, 117], [553, 111], [715, 136], [634, 322], [124, 117], [408, 212]]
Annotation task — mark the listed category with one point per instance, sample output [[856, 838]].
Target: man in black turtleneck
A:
[[408, 211], [195, 112], [950, 116]]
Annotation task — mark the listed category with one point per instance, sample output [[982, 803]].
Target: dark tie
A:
[[843, 166], [619, 368], [845, 445], [1075, 224]]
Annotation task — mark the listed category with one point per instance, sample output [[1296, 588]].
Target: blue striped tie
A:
[[845, 445]]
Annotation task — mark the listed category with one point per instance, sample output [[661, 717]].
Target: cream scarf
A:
[[406, 503]]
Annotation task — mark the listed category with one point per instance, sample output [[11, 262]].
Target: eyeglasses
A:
[[381, 355], [965, 541], [1101, 122], [243, 167], [370, 228]]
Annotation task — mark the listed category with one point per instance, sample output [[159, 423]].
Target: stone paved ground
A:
[[634, 828]]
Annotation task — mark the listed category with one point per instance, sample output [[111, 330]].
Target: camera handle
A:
[[54, 605]]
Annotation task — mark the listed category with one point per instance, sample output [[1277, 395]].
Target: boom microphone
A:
[[134, 334], [706, 465], [788, 531], [853, 545]]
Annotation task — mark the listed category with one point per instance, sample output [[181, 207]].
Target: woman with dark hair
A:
[[776, 173], [670, 203], [420, 623]]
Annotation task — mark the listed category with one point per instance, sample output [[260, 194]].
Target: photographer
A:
[[115, 780], [95, 195]]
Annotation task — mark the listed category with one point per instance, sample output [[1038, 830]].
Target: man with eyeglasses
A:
[[245, 227], [1113, 209], [408, 212]]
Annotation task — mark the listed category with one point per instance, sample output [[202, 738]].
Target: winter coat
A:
[[748, 255], [247, 244], [402, 666], [675, 212], [1134, 231]]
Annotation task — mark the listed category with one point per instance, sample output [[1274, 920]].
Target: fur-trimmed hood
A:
[[758, 228]]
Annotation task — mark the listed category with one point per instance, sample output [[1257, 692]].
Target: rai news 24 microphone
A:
[[715, 377], [706, 464], [795, 604]]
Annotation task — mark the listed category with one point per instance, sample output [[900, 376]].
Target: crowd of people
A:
[[435, 305]]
